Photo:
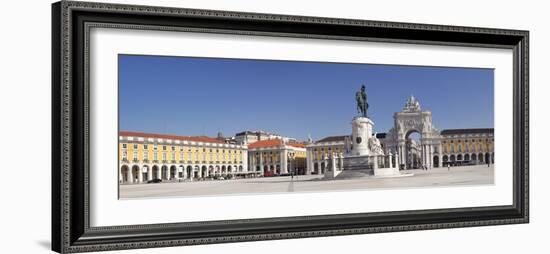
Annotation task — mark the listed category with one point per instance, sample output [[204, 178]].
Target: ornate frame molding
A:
[[71, 22]]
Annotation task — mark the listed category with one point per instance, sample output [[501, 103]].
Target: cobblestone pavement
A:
[[465, 175]]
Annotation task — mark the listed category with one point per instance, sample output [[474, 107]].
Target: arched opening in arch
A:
[[173, 172], [487, 159], [323, 168], [316, 168], [189, 172], [196, 172], [436, 161], [493, 158], [204, 172], [229, 168], [413, 149], [135, 174], [278, 169], [146, 173], [156, 172], [480, 157], [452, 158], [459, 157], [181, 172], [125, 172], [211, 171], [164, 172], [466, 158]]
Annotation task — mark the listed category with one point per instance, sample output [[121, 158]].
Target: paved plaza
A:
[[456, 176]]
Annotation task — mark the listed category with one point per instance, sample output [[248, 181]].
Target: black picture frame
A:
[[71, 231]]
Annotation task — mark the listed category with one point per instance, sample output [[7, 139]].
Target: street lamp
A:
[[292, 171]]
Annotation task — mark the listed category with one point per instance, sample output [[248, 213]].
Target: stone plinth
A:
[[358, 163], [361, 132]]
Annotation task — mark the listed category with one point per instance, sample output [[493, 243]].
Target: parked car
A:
[[156, 180]]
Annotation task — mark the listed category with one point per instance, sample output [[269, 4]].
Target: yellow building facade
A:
[[146, 156], [468, 146], [319, 153], [275, 157]]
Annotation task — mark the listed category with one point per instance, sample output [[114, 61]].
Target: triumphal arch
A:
[[412, 119]]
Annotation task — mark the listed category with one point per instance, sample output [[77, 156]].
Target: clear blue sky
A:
[[201, 96]]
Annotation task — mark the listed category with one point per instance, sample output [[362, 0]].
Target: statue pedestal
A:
[[361, 132], [365, 158]]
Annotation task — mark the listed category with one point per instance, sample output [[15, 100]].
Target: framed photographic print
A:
[[248, 127]]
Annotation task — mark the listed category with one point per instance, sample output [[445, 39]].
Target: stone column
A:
[[375, 162], [178, 170], [431, 157], [333, 162], [427, 158], [131, 175], [120, 176], [341, 161], [140, 174], [325, 162], [401, 154], [261, 163], [440, 155], [244, 159], [149, 172], [284, 161], [184, 172], [309, 160], [424, 155]]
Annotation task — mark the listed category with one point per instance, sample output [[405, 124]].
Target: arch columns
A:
[[440, 151], [140, 173], [149, 172], [284, 161], [131, 174], [341, 161], [402, 157], [159, 172]]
